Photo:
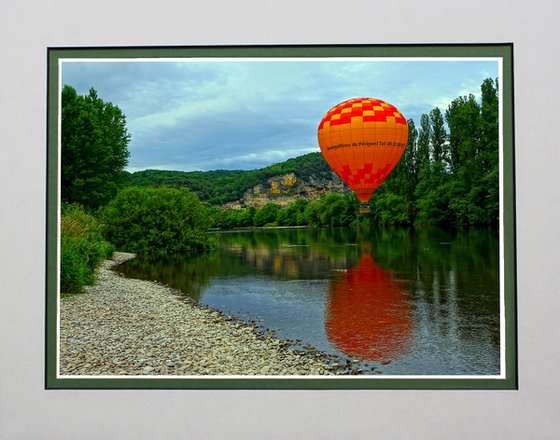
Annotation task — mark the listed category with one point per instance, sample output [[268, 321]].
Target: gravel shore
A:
[[123, 326]]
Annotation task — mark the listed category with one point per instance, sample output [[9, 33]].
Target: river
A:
[[395, 301]]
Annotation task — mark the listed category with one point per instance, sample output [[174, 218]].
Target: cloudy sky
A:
[[247, 114]]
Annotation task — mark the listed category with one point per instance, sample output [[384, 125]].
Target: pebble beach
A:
[[124, 326]]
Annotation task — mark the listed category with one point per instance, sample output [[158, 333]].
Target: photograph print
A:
[[281, 217]]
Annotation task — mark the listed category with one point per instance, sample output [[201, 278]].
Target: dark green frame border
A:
[[498, 50]]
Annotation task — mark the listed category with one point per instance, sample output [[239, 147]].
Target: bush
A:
[[157, 221], [82, 249]]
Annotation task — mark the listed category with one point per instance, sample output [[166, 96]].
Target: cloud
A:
[[237, 114]]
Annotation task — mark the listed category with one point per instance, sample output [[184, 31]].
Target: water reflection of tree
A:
[[430, 253], [187, 273], [425, 253], [455, 277], [451, 274], [292, 253]]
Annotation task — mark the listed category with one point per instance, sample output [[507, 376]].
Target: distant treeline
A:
[[222, 186]]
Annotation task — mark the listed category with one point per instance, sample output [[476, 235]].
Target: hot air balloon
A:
[[362, 139]]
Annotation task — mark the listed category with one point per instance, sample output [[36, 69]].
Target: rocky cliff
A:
[[287, 188]]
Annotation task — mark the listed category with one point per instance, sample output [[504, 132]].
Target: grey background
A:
[[28, 412]]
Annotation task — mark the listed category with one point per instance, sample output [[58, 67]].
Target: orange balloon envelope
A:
[[362, 140], [368, 315]]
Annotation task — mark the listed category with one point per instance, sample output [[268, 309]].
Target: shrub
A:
[[157, 221], [82, 249]]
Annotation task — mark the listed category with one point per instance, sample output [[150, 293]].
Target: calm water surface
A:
[[418, 301]]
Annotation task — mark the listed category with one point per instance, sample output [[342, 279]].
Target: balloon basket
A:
[[365, 209]]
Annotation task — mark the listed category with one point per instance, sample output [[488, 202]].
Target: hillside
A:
[[306, 176]]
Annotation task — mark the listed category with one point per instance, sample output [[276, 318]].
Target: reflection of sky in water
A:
[[293, 308]]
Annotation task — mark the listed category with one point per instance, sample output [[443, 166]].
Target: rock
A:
[[123, 326]]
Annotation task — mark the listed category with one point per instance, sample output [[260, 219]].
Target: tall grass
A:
[[83, 248]]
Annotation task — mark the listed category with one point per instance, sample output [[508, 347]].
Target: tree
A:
[[402, 183], [94, 149], [423, 156], [474, 156], [157, 221], [438, 135], [489, 139], [291, 215], [266, 215], [489, 117], [423, 162], [338, 209], [463, 120], [410, 156], [392, 209]]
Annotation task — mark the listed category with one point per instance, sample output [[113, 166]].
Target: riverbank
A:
[[124, 326]]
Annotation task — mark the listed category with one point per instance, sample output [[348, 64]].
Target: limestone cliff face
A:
[[287, 188]]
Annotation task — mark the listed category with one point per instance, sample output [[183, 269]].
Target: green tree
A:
[[292, 214], [266, 215], [246, 216], [489, 139], [410, 159], [337, 210], [463, 120], [157, 221], [312, 214], [489, 118], [438, 135], [423, 155], [423, 162], [94, 149], [392, 209], [402, 183], [474, 156]]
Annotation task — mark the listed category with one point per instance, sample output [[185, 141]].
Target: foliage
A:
[[330, 210], [94, 148], [82, 248], [267, 215], [392, 209], [473, 145], [448, 175], [293, 214], [157, 221], [222, 186]]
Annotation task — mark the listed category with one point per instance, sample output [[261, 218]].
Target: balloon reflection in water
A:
[[368, 315]]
